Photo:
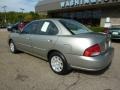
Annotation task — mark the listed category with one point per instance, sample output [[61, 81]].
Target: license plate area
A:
[[115, 33]]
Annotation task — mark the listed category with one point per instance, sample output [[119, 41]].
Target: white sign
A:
[[107, 25], [108, 19], [74, 3], [45, 26]]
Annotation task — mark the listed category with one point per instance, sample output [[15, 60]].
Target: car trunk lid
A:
[[97, 38]]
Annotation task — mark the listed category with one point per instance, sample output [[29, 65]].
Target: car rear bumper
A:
[[91, 63]]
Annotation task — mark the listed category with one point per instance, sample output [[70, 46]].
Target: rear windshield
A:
[[75, 27]]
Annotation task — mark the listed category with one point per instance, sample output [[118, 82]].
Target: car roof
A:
[[53, 19]]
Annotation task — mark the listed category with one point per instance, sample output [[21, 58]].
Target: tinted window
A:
[[52, 29], [34, 27], [38, 31], [75, 27], [26, 29], [48, 28], [31, 28]]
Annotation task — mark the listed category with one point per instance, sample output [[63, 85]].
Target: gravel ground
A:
[[25, 72]]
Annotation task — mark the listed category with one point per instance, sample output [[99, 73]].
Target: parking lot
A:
[[25, 72]]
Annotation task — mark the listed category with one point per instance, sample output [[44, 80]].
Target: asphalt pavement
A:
[[25, 72]]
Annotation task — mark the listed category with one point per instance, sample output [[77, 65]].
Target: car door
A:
[[45, 38], [23, 39]]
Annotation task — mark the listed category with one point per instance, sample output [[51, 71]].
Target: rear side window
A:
[[48, 28], [74, 27], [52, 29]]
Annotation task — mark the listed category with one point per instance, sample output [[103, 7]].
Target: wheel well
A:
[[9, 41], [51, 51], [67, 64]]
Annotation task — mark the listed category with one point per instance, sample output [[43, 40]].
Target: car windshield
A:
[[115, 28], [75, 27]]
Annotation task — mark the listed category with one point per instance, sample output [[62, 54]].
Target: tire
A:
[[58, 63], [12, 47]]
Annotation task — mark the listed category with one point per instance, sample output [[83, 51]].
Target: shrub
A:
[[97, 29]]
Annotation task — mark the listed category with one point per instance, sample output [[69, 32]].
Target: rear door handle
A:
[[28, 38], [49, 40]]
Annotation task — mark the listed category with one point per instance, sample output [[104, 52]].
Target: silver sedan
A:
[[64, 43]]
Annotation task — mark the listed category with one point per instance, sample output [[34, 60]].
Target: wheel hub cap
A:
[[56, 63], [12, 47]]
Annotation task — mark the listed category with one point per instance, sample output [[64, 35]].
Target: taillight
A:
[[92, 51]]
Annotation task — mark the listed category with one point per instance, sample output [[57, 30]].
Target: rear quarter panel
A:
[[76, 45], [72, 45]]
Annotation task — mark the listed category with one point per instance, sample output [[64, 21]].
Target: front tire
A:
[[12, 47], [58, 63]]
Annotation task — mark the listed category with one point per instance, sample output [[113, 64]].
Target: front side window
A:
[[74, 27], [34, 25], [31, 28], [26, 29]]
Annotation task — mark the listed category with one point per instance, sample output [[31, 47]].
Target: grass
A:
[[97, 29]]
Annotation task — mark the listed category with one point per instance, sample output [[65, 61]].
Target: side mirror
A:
[[17, 31]]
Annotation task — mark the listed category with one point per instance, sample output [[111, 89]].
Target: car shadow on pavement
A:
[[100, 72]]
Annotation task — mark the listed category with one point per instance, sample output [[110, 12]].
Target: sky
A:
[[15, 5]]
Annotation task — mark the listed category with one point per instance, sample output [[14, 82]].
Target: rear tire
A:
[[12, 47], [58, 63]]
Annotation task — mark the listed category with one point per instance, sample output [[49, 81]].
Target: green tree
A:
[[28, 18], [13, 17]]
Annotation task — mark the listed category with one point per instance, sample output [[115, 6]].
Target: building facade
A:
[[90, 12]]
